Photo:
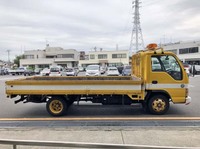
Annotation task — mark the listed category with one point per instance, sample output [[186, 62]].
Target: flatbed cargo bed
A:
[[74, 85]]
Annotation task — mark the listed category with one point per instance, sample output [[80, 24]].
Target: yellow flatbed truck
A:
[[157, 78]]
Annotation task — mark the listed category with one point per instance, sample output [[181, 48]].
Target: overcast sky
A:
[[85, 24]]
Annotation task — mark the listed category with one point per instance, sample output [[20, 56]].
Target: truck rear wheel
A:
[[56, 106], [158, 104]]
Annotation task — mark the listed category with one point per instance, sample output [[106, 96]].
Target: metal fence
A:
[[29, 143]]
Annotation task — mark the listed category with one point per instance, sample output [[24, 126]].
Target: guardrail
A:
[[16, 143]]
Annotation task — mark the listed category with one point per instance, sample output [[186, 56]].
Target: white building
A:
[[188, 52], [106, 58], [50, 56]]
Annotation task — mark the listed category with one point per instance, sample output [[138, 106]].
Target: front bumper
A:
[[92, 74], [188, 100]]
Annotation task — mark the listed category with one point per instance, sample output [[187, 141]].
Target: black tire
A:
[[56, 106], [158, 104]]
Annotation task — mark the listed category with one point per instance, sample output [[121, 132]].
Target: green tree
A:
[[17, 59]]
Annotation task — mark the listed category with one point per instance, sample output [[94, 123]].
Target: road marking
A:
[[101, 118]]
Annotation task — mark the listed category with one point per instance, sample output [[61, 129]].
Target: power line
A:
[[136, 30]]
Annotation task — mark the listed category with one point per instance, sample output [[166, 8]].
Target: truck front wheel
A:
[[56, 106], [158, 104]]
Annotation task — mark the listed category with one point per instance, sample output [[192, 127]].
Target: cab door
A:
[[167, 75]]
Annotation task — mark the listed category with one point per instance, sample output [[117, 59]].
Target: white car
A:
[[80, 68], [112, 71], [93, 70], [56, 71], [187, 68], [45, 72], [69, 72], [102, 70], [197, 69]]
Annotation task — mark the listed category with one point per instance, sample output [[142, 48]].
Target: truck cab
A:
[[164, 78]]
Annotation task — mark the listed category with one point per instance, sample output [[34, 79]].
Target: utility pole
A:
[[8, 55], [136, 30]]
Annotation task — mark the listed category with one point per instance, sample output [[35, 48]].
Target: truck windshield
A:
[[168, 64]]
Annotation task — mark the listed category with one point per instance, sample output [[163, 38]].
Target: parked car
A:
[[93, 70], [37, 70], [80, 68], [4, 71], [126, 71], [112, 71], [69, 72], [197, 69], [102, 69], [45, 72], [28, 72], [56, 71], [76, 69], [18, 71], [120, 68], [187, 68]]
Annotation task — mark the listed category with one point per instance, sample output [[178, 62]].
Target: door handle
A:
[[154, 82]]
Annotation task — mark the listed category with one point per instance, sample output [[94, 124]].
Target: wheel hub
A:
[[56, 106], [159, 105]]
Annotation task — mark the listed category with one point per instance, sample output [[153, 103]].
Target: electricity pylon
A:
[[137, 42]]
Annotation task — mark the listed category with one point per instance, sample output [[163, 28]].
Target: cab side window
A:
[[167, 64], [156, 66]]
